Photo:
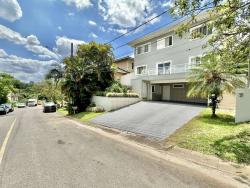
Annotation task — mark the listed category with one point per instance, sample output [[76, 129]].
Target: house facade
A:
[[124, 65], [163, 60]]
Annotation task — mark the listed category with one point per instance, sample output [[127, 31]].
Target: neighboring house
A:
[[163, 59], [12, 97], [124, 68]]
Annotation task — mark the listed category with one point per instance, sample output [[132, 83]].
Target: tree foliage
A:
[[225, 66], [89, 71]]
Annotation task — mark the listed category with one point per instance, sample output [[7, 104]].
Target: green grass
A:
[[219, 136], [82, 116]]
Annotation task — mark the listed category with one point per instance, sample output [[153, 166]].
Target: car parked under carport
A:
[[151, 119]]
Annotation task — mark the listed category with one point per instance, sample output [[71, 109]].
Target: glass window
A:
[[169, 41], [200, 31], [146, 48], [178, 86], [153, 89], [139, 50], [164, 68], [194, 61], [141, 70]]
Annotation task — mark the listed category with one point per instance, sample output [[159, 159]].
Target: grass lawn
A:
[[83, 116], [220, 136]]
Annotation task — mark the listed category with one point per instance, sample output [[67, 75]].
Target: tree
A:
[[229, 45], [89, 71], [211, 78], [7, 86]]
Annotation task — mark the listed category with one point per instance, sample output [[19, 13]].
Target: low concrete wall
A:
[[242, 111], [114, 103]]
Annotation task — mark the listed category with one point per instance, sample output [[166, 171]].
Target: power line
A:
[[142, 24]]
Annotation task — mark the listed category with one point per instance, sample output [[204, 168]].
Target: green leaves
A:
[[87, 72]]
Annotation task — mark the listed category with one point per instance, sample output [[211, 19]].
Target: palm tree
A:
[[212, 78]]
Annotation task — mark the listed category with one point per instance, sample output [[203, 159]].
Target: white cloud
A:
[[59, 28], [168, 4], [71, 14], [125, 13], [79, 4], [32, 40], [10, 10], [63, 45], [92, 23], [3, 53], [23, 68], [93, 35], [31, 43]]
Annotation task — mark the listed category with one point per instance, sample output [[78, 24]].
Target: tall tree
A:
[[211, 78], [90, 70]]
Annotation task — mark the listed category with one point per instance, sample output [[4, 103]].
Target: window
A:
[[146, 48], [139, 50], [164, 42], [132, 65], [141, 70], [200, 31], [194, 61], [153, 89], [163, 68], [143, 49], [169, 41], [179, 86]]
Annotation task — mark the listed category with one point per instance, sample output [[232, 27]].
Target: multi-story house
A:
[[163, 59]]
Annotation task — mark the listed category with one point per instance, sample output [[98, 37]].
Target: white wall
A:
[[113, 103], [126, 79], [242, 112]]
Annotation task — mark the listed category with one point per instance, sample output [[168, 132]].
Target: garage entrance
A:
[[175, 92]]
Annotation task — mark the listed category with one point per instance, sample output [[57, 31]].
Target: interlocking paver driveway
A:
[[151, 119]]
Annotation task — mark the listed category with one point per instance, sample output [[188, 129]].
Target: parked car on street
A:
[[3, 109], [21, 105], [10, 107], [49, 107], [32, 102]]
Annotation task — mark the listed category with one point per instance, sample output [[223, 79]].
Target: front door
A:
[[166, 93]]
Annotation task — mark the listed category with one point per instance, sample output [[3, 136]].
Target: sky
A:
[[35, 35]]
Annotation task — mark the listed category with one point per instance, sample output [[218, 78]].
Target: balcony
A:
[[173, 69]]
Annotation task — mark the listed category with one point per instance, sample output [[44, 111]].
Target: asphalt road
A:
[[48, 150]]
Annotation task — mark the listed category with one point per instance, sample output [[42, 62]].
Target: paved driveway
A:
[[151, 119]]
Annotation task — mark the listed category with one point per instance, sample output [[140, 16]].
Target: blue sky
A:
[[36, 34]]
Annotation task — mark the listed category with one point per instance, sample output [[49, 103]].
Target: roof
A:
[[204, 16], [124, 58]]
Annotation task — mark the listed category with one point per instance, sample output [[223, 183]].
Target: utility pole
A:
[[72, 50]]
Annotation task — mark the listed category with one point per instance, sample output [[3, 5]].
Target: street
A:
[[47, 150]]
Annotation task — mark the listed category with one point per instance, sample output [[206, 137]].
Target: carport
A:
[[151, 119]]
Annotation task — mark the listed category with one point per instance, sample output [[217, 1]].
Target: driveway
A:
[[151, 119]]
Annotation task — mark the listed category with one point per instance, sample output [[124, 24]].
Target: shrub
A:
[[100, 93], [122, 95], [95, 109], [117, 87]]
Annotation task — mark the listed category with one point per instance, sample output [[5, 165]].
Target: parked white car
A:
[[32, 102]]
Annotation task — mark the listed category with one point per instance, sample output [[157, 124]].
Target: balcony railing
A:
[[174, 69]]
